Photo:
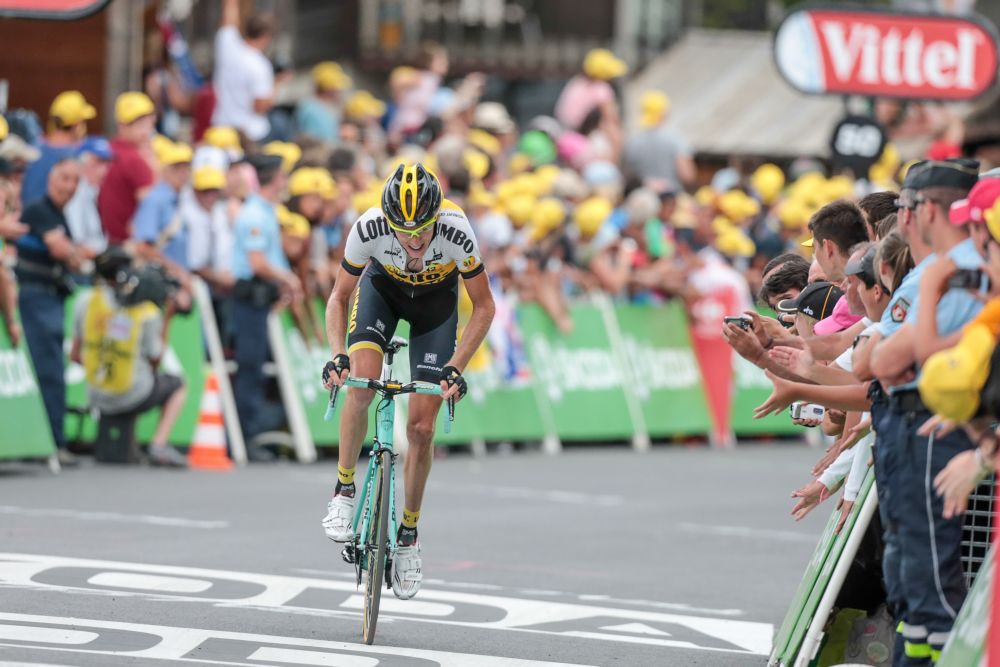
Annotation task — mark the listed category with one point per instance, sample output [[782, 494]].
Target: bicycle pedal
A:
[[348, 554]]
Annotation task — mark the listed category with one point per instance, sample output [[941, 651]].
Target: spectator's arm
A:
[[846, 397], [612, 278], [861, 361], [230, 14], [895, 355], [748, 346], [686, 170], [62, 249], [831, 346], [263, 104], [933, 288]]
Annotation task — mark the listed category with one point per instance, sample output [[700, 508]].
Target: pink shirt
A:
[[580, 95]]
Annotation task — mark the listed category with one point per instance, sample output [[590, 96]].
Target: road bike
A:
[[374, 545]]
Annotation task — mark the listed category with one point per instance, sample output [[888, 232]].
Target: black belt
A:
[[875, 392], [907, 400]]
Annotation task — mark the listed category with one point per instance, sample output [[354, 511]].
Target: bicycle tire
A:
[[375, 550]]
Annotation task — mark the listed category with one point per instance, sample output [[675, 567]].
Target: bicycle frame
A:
[[384, 421]]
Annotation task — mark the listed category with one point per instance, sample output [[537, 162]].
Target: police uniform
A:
[[256, 229], [923, 562]]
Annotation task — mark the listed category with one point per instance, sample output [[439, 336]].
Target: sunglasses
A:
[[418, 231]]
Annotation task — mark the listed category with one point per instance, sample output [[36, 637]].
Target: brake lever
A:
[[332, 406], [451, 414]]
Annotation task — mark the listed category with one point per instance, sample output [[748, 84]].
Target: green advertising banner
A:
[[26, 432], [967, 645], [665, 378], [184, 357], [792, 631], [578, 379]]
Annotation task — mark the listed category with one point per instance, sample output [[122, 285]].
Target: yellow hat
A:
[[838, 187], [366, 199], [289, 153], [131, 106], [329, 75], [591, 214], [481, 197], [732, 242], [518, 163], [208, 178], [519, 209], [485, 142], [547, 175], [293, 224], [223, 137], [808, 243], [308, 181], [403, 75], [362, 105], [886, 167], [549, 213], [175, 154], [71, 108], [476, 162], [4, 128], [738, 205], [705, 195], [767, 180], [793, 214], [653, 107], [329, 189], [604, 65], [951, 380], [905, 168]]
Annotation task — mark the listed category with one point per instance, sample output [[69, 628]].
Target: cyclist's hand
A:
[[336, 371], [452, 383]]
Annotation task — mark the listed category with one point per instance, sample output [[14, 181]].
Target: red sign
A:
[[715, 357], [886, 54], [50, 9]]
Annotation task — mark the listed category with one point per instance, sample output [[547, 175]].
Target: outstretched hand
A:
[[781, 397]]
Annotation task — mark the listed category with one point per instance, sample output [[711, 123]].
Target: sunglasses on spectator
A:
[[920, 199], [904, 202]]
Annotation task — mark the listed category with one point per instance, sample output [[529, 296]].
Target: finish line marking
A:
[[338, 598]]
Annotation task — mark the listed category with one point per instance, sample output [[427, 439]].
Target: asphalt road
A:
[[595, 557]]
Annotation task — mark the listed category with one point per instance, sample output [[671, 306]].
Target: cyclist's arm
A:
[[475, 331], [336, 310]]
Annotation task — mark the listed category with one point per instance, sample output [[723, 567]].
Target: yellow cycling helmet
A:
[[411, 199]]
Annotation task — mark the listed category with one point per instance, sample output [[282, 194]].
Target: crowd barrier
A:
[[625, 373], [25, 432]]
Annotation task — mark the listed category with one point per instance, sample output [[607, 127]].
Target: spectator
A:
[[657, 152], [319, 116], [46, 254], [68, 116], [210, 239], [82, 216], [122, 370], [16, 155], [244, 77], [591, 89], [875, 207], [414, 92], [130, 176]]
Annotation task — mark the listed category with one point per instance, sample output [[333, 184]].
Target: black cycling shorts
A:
[[378, 306]]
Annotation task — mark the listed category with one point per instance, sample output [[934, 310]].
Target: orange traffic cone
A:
[[208, 450]]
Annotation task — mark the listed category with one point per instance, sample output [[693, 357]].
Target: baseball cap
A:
[[953, 173], [307, 181], [329, 75], [98, 146], [289, 153], [841, 318], [71, 107], [14, 148], [222, 136], [363, 105], [958, 212], [175, 153], [817, 300], [208, 178], [4, 128], [133, 105], [591, 214], [604, 65], [653, 106], [952, 380], [863, 267], [981, 198], [492, 117], [293, 224]]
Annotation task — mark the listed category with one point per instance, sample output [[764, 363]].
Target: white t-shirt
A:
[[210, 238], [242, 75]]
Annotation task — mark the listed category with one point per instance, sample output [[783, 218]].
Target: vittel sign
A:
[[861, 52]]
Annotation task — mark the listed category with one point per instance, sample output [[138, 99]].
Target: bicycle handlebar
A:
[[389, 389]]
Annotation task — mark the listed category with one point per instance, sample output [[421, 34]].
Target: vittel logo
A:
[[884, 54]]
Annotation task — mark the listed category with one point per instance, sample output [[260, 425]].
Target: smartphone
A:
[[968, 279], [800, 410], [739, 320]]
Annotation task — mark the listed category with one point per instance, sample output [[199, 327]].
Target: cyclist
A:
[[402, 261]]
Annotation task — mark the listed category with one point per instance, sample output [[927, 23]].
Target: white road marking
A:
[[116, 517], [149, 582], [278, 594], [394, 605], [526, 493], [636, 629], [178, 643], [297, 656], [752, 533], [46, 635]]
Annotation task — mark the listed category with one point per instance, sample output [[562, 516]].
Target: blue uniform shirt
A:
[[903, 299], [958, 306], [256, 229], [157, 221], [36, 176]]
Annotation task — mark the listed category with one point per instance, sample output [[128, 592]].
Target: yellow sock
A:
[[345, 475], [410, 518]]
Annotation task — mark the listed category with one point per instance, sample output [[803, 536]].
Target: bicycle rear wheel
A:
[[378, 543]]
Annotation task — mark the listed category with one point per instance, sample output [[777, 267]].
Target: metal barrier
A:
[[977, 535]]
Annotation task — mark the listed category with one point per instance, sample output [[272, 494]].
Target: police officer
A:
[[929, 569], [262, 278], [46, 257]]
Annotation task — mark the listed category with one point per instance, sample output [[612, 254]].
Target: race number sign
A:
[[856, 143]]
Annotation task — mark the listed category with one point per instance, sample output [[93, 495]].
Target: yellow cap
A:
[[951, 380], [71, 107], [289, 153], [208, 178], [838, 187], [738, 206], [222, 136], [546, 176], [653, 107], [767, 180], [519, 209], [808, 243], [549, 213], [591, 214], [329, 75], [308, 181], [886, 167], [160, 145], [131, 106], [293, 224], [4, 128], [518, 163], [329, 186], [362, 105], [604, 65], [705, 195], [732, 242], [476, 162], [481, 197], [485, 142], [366, 199], [175, 154], [793, 214], [403, 75]]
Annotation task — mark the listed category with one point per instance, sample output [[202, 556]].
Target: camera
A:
[[801, 410], [969, 279], [739, 320]]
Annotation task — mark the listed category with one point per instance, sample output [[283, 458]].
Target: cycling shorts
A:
[[378, 306]]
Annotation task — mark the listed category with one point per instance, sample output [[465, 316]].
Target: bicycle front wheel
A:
[[378, 543]]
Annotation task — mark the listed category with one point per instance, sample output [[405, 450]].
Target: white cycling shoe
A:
[[406, 576], [339, 520]]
